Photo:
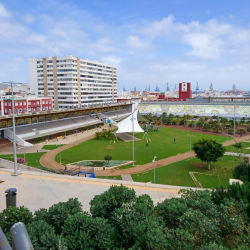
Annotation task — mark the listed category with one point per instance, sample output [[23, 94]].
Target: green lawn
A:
[[51, 147], [244, 150], [161, 145], [178, 173], [32, 158]]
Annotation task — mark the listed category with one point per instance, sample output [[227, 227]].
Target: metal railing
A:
[[20, 238]]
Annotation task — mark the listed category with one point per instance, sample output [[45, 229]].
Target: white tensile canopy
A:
[[126, 125]]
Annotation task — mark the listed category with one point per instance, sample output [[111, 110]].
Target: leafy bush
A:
[[103, 205], [242, 172], [58, 213], [174, 122], [82, 231], [248, 129], [43, 236], [191, 125], [11, 215]]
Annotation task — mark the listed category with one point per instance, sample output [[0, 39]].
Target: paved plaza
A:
[[37, 190]]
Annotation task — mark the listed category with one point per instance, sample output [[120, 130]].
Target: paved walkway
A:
[[235, 154], [20, 150], [127, 177], [36, 191], [48, 159]]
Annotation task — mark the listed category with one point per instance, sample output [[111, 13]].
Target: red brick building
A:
[[25, 105]]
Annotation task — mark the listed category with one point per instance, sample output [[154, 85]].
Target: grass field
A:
[[244, 150], [161, 145], [178, 173], [51, 147], [32, 158]]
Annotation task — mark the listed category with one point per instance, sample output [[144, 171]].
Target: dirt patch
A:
[[110, 147], [199, 165]]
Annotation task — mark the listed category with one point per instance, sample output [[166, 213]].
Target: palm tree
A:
[[242, 120], [241, 131]]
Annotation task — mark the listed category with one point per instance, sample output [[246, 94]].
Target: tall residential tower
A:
[[72, 81]]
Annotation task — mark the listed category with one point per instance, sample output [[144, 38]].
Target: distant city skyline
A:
[[150, 42]]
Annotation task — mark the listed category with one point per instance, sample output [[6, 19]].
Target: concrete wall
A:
[[10, 165]]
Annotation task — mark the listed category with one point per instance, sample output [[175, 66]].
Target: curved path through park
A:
[[48, 159]]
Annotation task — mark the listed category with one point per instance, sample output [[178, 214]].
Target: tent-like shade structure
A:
[[126, 125]]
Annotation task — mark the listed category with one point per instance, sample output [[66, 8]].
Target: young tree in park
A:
[[207, 126], [208, 150], [241, 131], [98, 135], [107, 158], [199, 124], [217, 128]]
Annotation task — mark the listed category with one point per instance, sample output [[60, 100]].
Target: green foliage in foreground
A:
[[121, 220]]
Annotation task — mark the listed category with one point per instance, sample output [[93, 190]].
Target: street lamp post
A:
[[234, 120], [154, 167], [190, 141], [14, 129], [133, 134]]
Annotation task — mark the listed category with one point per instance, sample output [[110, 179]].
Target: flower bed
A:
[[111, 163]]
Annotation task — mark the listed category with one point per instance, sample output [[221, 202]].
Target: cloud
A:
[[136, 43], [28, 18], [112, 60], [4, 12], [204, 45]]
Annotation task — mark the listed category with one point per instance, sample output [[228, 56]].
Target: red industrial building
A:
[[25, 105]]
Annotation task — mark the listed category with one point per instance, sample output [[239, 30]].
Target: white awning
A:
[[126, 125]]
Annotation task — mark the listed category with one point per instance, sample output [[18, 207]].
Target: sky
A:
[[150, 42]]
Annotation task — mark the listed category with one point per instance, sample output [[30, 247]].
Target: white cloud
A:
[[112, 60], [204, 45], [4, 12], [28, 18], [136, 43]]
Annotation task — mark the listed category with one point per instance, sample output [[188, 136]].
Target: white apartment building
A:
[[71, 81]]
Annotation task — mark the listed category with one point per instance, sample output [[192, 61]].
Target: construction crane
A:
[[124, 88], [167, 89], [146, 88], [197, 88], [157, 89], [175, 88], [149, 87]]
